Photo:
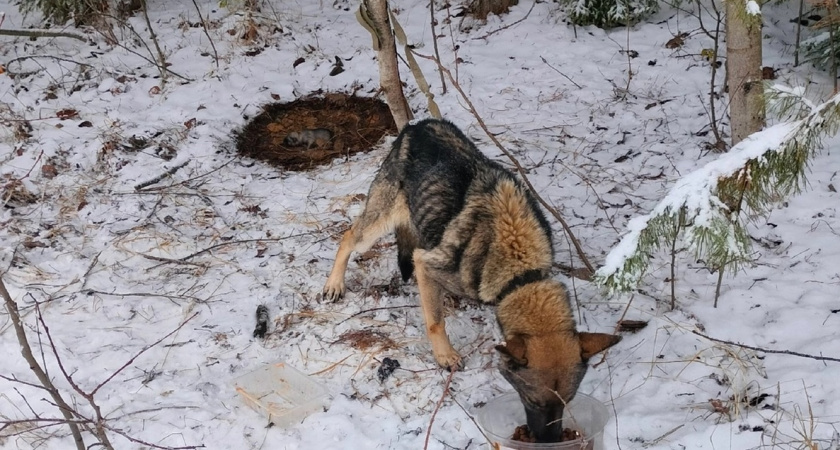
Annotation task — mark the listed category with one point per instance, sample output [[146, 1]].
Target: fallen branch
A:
[[561, 73], [510, 24], [26, 351], [435, 43], [765, 350], [161, 61], [207, 33], [247, 241], [515, 162], [42, 34], [376, 309], [437, 408], [181, 183], [99, 424], [169, 172]]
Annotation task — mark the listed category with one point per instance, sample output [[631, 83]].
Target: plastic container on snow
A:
[[500, 416], [281, 393]]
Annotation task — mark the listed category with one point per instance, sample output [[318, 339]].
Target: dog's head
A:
[[546, 370]]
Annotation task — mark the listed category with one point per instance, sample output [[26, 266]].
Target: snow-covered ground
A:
[[114, 270]]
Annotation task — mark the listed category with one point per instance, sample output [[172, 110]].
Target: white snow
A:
[[97, 255]]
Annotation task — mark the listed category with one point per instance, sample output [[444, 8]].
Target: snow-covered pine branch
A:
[[762, 169]]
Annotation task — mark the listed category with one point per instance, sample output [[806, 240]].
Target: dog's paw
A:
[[334, 290], [449, 360]]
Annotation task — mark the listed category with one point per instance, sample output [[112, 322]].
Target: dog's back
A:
[[468, 211]]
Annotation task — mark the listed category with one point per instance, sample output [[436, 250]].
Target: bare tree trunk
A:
[[743, 70], [389, 71]]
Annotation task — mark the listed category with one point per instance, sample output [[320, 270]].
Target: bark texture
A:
[[389, 71], [743, 70]]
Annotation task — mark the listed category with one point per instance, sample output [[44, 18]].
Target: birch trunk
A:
[[389, 71]]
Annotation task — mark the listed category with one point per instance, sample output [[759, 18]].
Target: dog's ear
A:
[[594, 343], [513, 351]]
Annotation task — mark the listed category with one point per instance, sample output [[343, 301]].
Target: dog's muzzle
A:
[[545, 422]]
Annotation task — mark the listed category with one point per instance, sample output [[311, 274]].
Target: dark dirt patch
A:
[[353, 124]]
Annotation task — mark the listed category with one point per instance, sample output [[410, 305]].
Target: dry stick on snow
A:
[[42, 34], [759, 349], [629, 61], [26, 351], [376, 309], [172, 261], [99, 424], [146, 294], [798, 34], [437, 408], [149, 444], [510, 24], [127, 25], [519, 167], [207, 33], [182, 183], [169, 172], [455, 47], [161, 63], [248, 241], [606, 352], [719, 142], [673, 280], [561, 73], [434, 42]]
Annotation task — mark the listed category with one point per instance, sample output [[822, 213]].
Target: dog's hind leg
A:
[[385, 210], [431, 300]]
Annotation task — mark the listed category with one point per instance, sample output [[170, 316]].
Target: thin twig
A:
[[244, 241], [146, 348], [161, 63], [714, 61], [12, 73], [100, 420], [151, 445], [144, 294], [434, 42], [519, 168], [437, 408], [171, 261], [765, 350], [42, 34], [170, 171], [140, 38], [561, 73], [511, 24], [332, 366], [26, 351], [207, 33], [798, 34], [376, 309]]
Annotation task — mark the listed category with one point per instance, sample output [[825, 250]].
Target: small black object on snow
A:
[[387, 368], [262, 321]]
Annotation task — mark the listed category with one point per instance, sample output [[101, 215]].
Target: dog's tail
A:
[[406, 243]]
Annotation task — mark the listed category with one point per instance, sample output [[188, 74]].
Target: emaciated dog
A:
[[467, 226]]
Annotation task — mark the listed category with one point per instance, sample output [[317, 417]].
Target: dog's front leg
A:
[[334, 288], [432, 303]]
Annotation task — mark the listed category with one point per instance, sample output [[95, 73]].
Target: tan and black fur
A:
[[467, 226]]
